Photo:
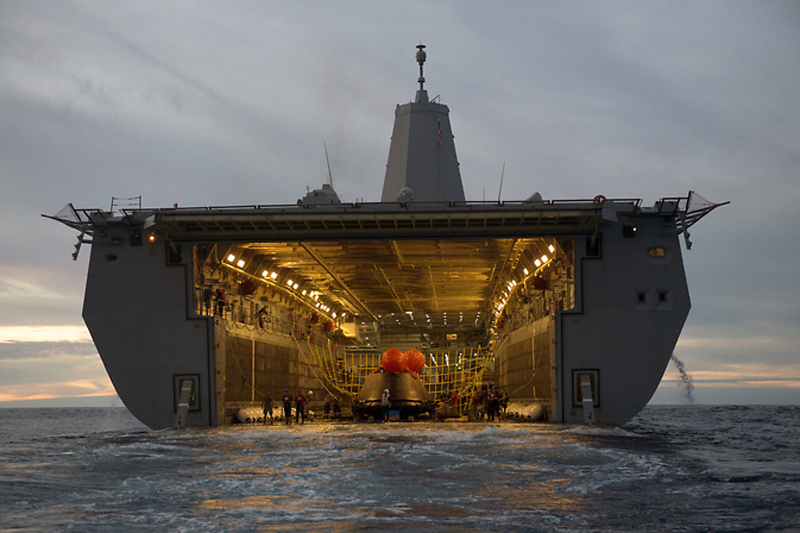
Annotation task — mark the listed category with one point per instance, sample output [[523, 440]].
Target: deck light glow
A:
[[240, 264], [552, 249], [231, 258]]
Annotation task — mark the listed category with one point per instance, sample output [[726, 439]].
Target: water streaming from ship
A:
[[686, 385]]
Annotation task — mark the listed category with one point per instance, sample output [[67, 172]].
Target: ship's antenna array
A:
[[421, 60], [328, 161], [502, 173]]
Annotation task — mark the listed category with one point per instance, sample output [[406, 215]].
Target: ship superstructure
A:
[[575, 305]]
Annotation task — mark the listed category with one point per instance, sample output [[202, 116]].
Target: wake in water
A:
[[672, 469], [686, 380]]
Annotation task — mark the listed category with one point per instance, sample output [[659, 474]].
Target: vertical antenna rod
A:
[[421, 60], [502, 173], [330, 175]]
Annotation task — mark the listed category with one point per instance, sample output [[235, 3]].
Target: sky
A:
[[227, 103]]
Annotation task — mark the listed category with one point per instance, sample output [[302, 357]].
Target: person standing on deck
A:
[[477, 401], [494, 404], [267, 406], [299, 407], [328, 401], [287, 406], [386, 403]]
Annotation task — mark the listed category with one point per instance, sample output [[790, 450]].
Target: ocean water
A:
[[675, 468]]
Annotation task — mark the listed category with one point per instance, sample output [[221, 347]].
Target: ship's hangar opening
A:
[[356, 280], [409, 278]]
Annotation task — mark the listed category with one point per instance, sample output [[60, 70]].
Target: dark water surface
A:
[[676, 468]]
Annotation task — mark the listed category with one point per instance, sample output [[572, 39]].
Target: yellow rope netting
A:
[[446, 372]]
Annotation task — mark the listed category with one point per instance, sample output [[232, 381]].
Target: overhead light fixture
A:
[[544, 259], [273, 275], [265, 273], [525, 271], [552, 249], [289, 282], [537, 263], [240, 264], [231, 258]]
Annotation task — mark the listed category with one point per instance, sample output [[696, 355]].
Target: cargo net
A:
[[450, 376]]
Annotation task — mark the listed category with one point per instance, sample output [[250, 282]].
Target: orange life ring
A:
[[599, 199]]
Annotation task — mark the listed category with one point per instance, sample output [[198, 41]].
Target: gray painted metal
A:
[[422, 154]]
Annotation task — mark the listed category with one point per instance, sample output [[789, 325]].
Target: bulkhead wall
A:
[[633, 303], [524, 362], [253, 362], [135, 307]]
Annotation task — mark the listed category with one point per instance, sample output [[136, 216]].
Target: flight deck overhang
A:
[[361, 221]]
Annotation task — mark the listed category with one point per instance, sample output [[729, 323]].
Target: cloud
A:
[[204, 104], [44, 350], [38, 335], [57, 376]]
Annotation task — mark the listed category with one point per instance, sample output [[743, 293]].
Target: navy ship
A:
[[571, 307]]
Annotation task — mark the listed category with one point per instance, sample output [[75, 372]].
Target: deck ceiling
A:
[[414, 265], [439, 282], [381, 221]]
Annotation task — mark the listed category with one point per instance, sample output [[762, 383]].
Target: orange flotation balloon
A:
[[414, 361], [392, 361]]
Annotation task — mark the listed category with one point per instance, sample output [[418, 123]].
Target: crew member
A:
[[267, 406], [494, 403], [328, 401], [287, 406], [299, 407], [386, 403], [476, 404]]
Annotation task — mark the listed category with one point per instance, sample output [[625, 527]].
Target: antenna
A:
[[502, 173], [330, 175], [421, 60]]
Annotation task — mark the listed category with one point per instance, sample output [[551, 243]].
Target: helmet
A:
[[386, 391], [285, 390]]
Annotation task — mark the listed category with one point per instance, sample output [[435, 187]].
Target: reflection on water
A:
[[402, 477]]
